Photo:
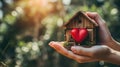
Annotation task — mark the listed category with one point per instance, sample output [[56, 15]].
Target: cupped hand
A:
[[82, 54]]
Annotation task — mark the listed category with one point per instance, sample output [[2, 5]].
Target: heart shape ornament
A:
[[79, 34]]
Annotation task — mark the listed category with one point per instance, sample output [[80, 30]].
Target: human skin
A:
[[108, 49]]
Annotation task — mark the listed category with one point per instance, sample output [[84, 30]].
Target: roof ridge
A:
[[83, 13]]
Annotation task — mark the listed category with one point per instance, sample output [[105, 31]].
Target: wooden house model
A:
[[80, 20]]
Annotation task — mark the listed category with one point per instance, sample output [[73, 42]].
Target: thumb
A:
[[81, 50], [95, 51]]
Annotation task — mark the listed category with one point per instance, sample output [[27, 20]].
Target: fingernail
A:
[[51, 43], [73, 48]]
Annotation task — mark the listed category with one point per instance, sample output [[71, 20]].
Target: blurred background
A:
[[27, 26]]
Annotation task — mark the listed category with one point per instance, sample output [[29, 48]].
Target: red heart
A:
[[79, 34]]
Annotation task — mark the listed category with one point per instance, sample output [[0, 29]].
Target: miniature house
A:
[[80, 20]]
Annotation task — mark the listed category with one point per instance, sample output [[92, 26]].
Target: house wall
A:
[[68, 36], [90, 40], [81, 22], [87, 23], [92, 35]]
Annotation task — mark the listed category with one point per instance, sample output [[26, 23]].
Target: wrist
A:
[[114, 45], [113, 58]]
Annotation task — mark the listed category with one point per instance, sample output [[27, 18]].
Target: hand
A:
[[81, 54], [104, 34], [106, 51]]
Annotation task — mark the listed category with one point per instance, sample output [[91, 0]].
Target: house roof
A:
[[80, 13]]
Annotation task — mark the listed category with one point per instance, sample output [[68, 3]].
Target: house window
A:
[[79, 21], [71, 39]]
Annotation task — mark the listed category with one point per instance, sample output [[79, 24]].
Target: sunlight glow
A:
[[14, 13], [35, 46], [66, 2], [60, 22], [114, 11], [19, 10], [25, 49]]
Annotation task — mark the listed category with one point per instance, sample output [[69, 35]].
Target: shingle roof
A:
[[80, 13]]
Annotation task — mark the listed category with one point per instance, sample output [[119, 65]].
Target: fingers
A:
[[99, 52], [60, 49], [105, 35], [96, 17]]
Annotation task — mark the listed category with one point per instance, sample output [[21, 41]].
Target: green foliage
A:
[[3, 28], [9, 19]]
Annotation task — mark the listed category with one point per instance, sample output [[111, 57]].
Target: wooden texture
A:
[[81, 21]]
